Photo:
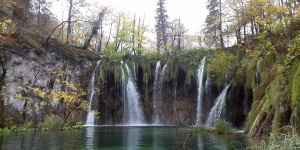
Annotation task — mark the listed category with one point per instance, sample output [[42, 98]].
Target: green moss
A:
[[296, 87], [190, 74], [256, 107], [250, 74]]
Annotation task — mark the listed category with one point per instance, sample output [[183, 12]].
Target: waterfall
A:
[[157, 92], [90, 114], [257, 75], [218, 110], [207, 86], [199, 99], [133, 107]]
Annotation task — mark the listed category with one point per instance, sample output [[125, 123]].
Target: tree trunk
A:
[[220, 26], [245, 34], [252, 27], [39, 13], [107, 42], [69, 28], [2, 117], [257, 123], [101, 37]]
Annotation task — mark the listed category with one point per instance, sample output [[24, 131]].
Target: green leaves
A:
[[222, 67]]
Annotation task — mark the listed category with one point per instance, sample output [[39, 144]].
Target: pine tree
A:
[[213, 31], [161, 26]]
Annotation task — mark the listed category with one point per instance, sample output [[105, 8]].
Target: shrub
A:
[[5, 130], [55, 125], [202, 129], [25, 127], [223, 127]]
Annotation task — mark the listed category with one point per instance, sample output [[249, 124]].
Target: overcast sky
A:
[[191, 12]]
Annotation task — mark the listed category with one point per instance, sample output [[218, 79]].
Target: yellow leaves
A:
[[43, 103], [39, 92], [18, 96], [65, 91], [57, 80], [8, 21]]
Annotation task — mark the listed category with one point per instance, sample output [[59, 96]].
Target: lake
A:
[[123, 138]]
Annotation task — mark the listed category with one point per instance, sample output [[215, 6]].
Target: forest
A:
[[253, 45]]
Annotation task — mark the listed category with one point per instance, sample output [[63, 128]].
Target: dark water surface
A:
[[123, 138]]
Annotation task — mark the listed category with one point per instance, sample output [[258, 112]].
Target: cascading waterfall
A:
[[257, 75], [157, 92], [133, 107], [217, 112], [90, 115], [199, 99], [207, 86]]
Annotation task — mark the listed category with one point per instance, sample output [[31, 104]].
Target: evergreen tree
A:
[[213, 31], [161, 26]]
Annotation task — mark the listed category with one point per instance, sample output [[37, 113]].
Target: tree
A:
[[176, 33], [141, 29], [95, 27], [42, 9], [72, 4], [161, 26], [213, 30], [222, 67]]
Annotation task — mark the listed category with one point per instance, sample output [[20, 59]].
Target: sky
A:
[[191, 12]]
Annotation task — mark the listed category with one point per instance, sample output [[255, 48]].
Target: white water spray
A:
[[217, 113], [90, 115], [199, 99], [133, 107], [157, 92]]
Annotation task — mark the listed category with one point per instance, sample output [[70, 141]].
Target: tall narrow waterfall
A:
[[90, 114], [199, 99], [133, 107], [217, 113], [157, 93], [257, 75]]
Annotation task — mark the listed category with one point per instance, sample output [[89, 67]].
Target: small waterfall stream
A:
[[257, 75], [133, 107], [199, 99], [217, 112], [157, 92], [90, 115]]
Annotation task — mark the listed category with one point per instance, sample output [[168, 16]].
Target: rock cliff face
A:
[[24, 67]]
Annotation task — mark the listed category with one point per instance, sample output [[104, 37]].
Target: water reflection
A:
[[122, 138], [157, 139], [200, 143], [132, 138], [89, 137]]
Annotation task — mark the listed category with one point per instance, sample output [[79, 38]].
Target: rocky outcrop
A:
[[24, 67]]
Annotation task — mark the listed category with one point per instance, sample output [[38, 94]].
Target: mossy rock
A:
[[296, 87]]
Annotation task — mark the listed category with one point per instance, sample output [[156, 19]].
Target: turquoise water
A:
[[123, 138]]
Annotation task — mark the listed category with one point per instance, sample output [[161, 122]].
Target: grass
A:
[[221, 127], [281, 142], [203, 129]]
